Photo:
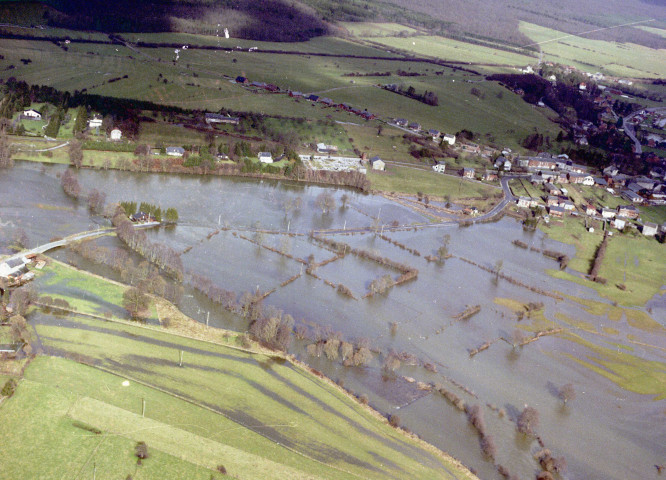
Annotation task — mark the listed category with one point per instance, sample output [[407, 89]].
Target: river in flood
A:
[[606, 432]]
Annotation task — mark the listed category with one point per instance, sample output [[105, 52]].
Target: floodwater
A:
[[606, 432]]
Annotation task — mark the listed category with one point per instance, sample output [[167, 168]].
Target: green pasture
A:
[[631, 260], [455, 50], [257, 415], [411, 180], [657, 31], [628, 60], [365, 138], [330, 45], [95, 158], [370, 29], [500, 115], [86, 293], [655, 214]]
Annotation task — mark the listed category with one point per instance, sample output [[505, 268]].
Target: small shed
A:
[[377, 163], [116, 134]]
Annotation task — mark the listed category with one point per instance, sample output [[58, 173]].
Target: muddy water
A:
[[606, 432]]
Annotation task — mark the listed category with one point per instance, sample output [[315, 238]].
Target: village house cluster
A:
[[552, 172]]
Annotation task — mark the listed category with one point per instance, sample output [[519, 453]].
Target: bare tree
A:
[[135, 302], [75, 153], [326, 202], [5, 150], [96, 201], [528, 420], [567, 392]]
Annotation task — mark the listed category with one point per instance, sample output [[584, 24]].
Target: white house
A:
[[607, 213], [265, 157], [116, 134], [95, 122], [377, 163], [12, 266], [526, 202], [450, 139], [175, 151], [619, 223], [650, 229], [439, 168], [32, 114]]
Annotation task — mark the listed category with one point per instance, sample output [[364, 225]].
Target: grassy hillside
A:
[[197, 81], [256, 415]]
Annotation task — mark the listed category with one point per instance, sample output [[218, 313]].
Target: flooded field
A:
[[614, 357]]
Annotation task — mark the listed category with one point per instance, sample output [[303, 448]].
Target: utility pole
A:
[[207, 318]]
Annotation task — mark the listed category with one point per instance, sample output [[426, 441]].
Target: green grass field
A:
[[197, 81], [454, 50], [620, 59], [259, 417], [631, 260], [657, 31], [370, 29], [85, 293], [409, 180]]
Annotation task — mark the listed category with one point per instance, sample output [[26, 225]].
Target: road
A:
[[496, 210], [629, 127], [70, 239]]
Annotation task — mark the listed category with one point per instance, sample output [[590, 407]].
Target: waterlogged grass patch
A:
[[624, 369], [641, 320], [587, 326]]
